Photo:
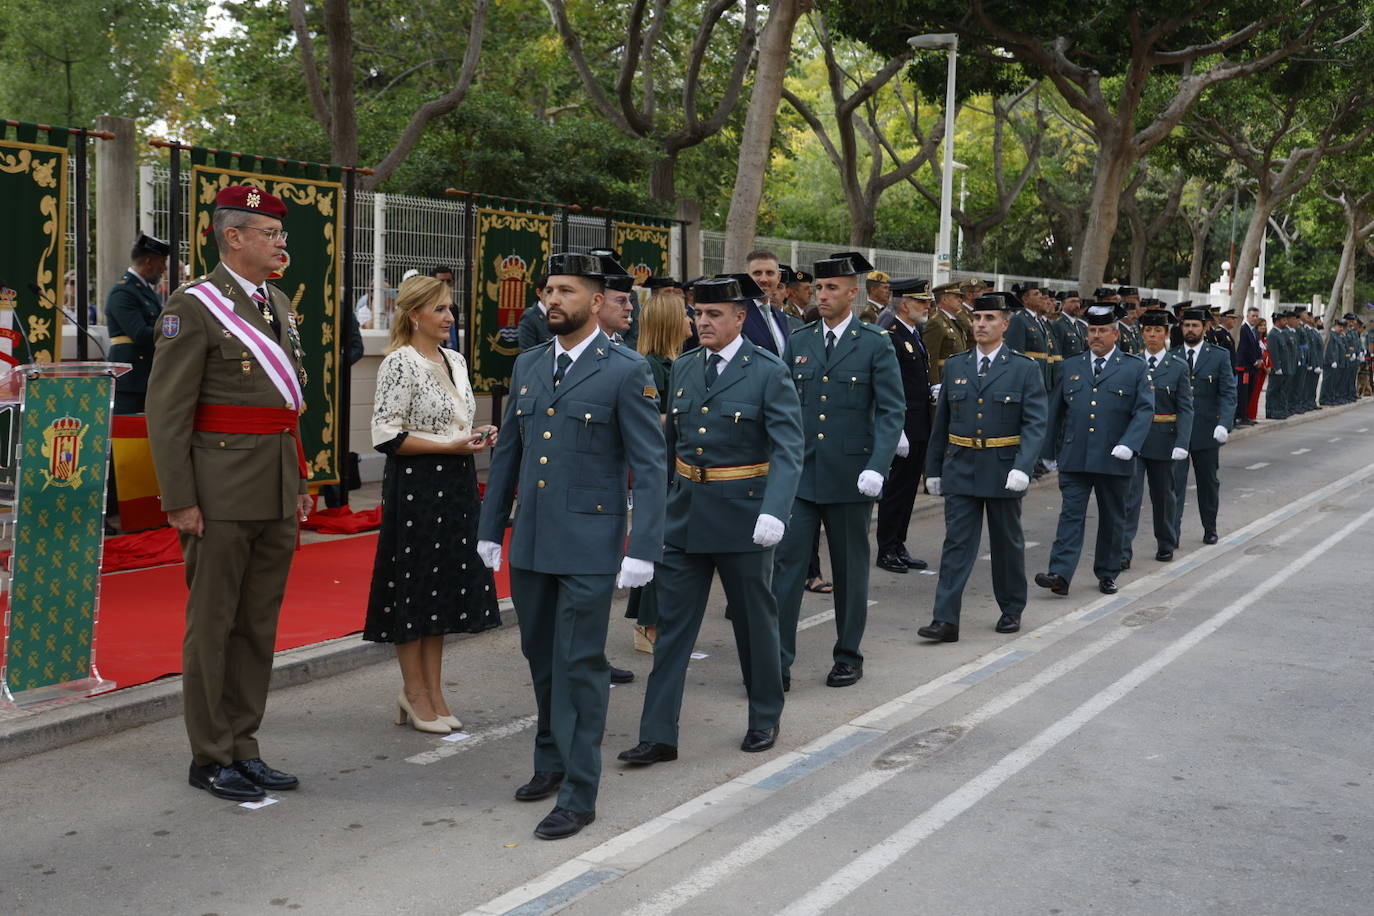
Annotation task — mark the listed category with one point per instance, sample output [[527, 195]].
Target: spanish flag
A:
[[136, 483]]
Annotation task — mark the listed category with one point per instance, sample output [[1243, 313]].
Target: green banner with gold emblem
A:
[[312, 279], [33, 233], [511, 251], [58, 521], [645, 251]]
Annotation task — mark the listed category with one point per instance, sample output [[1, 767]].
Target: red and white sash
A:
[[269, 353]]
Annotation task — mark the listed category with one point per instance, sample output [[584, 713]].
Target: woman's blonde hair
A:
[[415, 294], [660, 323]]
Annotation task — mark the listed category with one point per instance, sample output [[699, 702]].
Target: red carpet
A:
[[142, 612]]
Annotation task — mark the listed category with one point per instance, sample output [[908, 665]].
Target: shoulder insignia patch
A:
[[650, 391], [171, 325]]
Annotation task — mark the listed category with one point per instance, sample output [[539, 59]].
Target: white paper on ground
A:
[[253, 806], [456, 736]]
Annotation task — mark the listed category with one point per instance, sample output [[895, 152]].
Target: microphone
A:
[[37, 291], [20, 331]]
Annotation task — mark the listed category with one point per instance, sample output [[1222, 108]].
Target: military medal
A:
[[909, 347], [247, 367]]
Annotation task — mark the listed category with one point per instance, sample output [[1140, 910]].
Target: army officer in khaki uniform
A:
[[224, 399]]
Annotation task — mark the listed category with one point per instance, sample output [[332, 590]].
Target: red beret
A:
[[251, 199]]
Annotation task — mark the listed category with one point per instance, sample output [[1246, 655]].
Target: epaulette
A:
[[691, 351], [190, 283], [769, 355], [1020, 354], [539, 346], [806, 327]]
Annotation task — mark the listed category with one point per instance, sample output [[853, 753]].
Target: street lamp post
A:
[[947, 41], [963, 207]]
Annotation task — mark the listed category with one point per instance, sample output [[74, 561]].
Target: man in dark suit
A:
[[131, 311], [765, 325], [911, 300], [1214, 413], [1245, 359], [534, 322]]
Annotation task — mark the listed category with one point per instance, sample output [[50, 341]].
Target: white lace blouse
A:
[[416, 397]]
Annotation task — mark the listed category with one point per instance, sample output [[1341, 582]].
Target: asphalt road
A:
[[1199, 743]]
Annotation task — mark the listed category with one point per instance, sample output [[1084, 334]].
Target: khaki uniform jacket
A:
[[230, 476], [943, 336]]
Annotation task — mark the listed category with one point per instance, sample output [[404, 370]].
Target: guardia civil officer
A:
[[734, 432], [131, 311], [988, 433], [1214, 413], [583, 413], [224, 398], [534, 321], [852, 410]]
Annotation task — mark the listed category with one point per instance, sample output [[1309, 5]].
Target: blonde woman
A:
[[427, 579]]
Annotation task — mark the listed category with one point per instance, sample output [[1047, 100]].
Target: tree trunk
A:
[[662, 186], [775, 48], [343, 120], [1104, 208], [1243, 271], [1200, 237]]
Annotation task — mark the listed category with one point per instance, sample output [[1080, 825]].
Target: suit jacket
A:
[[852, 409], [1214, 394], [567, 450], [533, 329], [1247, 348], [131, 310], [230, 476], [914, 364], [750, 415], [1173, 396], [1008, 401], [943, 336], [1096, 415], [757, 333]]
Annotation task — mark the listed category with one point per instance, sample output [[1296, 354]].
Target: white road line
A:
[[1334, 439], [1257, 465], [807, 623], [1302, 451], [444, 751], [878, 858]]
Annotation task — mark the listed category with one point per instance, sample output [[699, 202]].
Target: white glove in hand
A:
[[634, 573], [933, 486], [1333, 365], [490, 552], [870, 483], [1179, 454], [1122, 453], [935, 391], [1017, 481], [1051, 464], [903, 446], [767, 530], [1220, 434]]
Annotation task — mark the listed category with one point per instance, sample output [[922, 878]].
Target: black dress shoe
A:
[[910, 561], [260, 774], [541, 785], [940, 631], [1008, 624], [1164, 556], [892, 563], [759, 739], [648, 752], [844, 674], [786, 683], [1210, 537], [1055, 583], [1125, 564], [561, 823], [224, 782], [621, 676], [1107, 586]]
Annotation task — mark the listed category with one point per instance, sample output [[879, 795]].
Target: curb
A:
[[56, 725]]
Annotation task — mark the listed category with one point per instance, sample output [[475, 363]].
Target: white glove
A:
[[1122, 453], [1333, 365], [935, 391], [1017, 481], [1220, 434], [1179, 454], [1318, 371], [767, 530], [634, 573], [903, 446], [933, 486], [870, 483], [490, 552], [1051, 464]]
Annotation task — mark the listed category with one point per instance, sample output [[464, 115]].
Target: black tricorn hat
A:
[[1156, 318], [914, 287], [152, 246], [786, 273], [1122, 309], [1103, 292], [1101, 313], [718, 289], [573, 264], [1067, 294], [1192, 314], [661, 283], [606, 253], [992, 302], [843, 264], [1125, 291], [1021, 289], [1012, 300], [621, 283], [748, 287]]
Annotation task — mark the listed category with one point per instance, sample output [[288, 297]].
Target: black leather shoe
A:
[[1107, 586], [1055, 583], [621, 676], [561, 823], [224, 782], [648, 752], [1125, 565], [844, 674], [260, 774], [1164, 556], [910, 561], [940, 631], [1210, 537], [541, 785], [1008, 624], [786, 683], [759, 739], [892, 563]]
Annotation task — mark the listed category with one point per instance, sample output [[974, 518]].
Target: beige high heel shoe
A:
[[404, 714], [451, 721]]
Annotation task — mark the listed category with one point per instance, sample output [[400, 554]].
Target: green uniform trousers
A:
[[563, 621], [963, 532], [1161, 477], [1111, 491], [237, 575], [846, 530], [1205, 464], [684, 585]]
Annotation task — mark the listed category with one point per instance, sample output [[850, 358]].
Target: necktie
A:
[[564, 361], [983, 367], [1097, 366], [1152, 362], [712, 369], [829, 343], [1190, 362]]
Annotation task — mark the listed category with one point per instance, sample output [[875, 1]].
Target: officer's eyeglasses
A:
[[272, 234]]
